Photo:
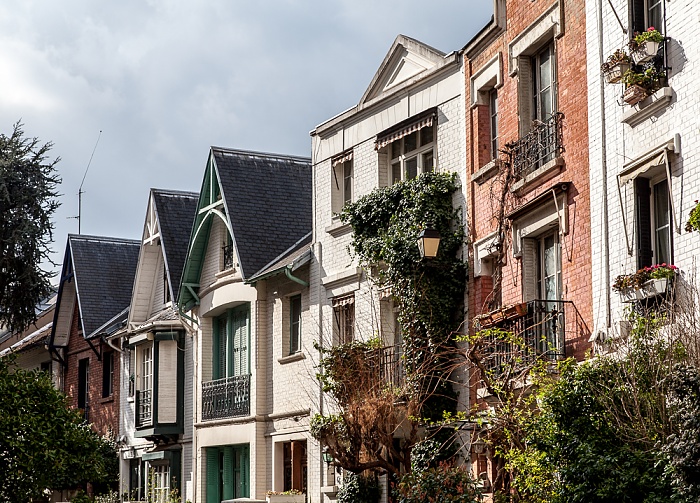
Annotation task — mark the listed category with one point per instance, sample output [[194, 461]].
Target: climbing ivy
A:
[[429, 293]]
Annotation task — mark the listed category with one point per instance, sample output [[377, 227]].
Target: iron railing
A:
[[227, 253], [227, 397], [386, 365], [543, 143], [541, 334], [144, 408]]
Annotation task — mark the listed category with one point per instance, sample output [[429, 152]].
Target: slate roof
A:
[[294, 257], [176, 211], [268, 201], [104, 271]]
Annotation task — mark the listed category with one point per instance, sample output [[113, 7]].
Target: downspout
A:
[[288, 273], [604, 167]]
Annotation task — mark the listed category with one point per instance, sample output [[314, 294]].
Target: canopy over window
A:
[[341, 158], [426, 119], [649, 165]]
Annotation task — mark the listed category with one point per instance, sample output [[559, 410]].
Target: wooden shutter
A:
[[243, 471], [524, 94], [642, 194], [229, 462], [212, 482], [529, 264], [240, 340]]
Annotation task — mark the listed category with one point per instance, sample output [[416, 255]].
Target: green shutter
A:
[[239, 332], [228, 473], [215, 350], [176, 470], [243, 465], [212, 483]]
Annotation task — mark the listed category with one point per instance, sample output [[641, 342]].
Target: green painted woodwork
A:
[[227, 473], [231, 343]]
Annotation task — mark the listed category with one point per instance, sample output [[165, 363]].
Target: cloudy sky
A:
[[164, 80]]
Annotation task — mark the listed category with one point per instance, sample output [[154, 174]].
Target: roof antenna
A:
[[80, 190]]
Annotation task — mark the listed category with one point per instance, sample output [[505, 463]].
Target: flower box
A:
[[515, 311], [650, 289], [634, 94], [645, 51], [614, 73], [286, 498]]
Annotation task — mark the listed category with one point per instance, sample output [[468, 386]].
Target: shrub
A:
[[358, 489], [444, 484]]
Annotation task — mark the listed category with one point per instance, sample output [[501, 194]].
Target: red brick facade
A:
[[568, 40], [103, 412]]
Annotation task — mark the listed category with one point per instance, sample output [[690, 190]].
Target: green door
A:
[[228, 473]]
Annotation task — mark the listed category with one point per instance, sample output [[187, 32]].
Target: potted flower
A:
[[291, 496], [639, 85], [646, 283], [693, 223], [615, 66], [645, 45]]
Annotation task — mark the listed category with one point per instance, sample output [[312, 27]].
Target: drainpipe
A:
[[604, 167], [288, 273], [319, 287]]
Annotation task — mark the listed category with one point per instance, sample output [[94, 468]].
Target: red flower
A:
[[651, 28]]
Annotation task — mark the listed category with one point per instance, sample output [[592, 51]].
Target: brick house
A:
[[93, 300], [157, 358], [409, 121], [244, 286], [644, 181], [527, 163]]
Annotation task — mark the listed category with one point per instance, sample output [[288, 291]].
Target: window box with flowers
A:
[[645, 45], [646, 283], [617, 64], [291, 496], [640, 84], [693, 223]]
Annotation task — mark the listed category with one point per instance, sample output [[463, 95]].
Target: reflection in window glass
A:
[[411, 168], [410, 142]]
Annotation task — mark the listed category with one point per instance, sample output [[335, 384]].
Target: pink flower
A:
[[651, 28]]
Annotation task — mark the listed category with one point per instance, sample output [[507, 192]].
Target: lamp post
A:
[[327, 456], [428, 242]]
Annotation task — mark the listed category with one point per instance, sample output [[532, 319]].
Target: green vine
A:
[[693, 223], [429, 293]]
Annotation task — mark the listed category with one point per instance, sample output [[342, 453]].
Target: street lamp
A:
[[327, 456], [428, 242]]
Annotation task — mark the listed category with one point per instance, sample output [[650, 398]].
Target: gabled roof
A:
[[103, 269], [293, 258], [265, 201], [175, 211], [406, 59]]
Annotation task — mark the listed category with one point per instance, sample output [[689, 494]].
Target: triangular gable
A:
[[65, 303], [209, 206], [164, 242], [406, 59]]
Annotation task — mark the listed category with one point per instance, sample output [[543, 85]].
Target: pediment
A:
[[406, 59]]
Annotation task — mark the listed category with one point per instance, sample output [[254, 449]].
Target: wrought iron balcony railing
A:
[[227, 397], [386, 364], [144, 408], [543, 143], [227, 253], [543, 331]]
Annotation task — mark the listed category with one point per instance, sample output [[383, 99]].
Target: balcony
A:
[[539, 147], [386, 366], [543, 328], [225, 398], [144, 408]]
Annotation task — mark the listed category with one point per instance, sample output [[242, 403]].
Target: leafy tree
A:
[[44, 444], [28, 199]]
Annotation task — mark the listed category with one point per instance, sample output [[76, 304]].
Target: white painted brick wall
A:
[[625, 143]]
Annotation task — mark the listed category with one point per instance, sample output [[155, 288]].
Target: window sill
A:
[[298, 356], [648, 106], [107, 399], [486, 171], [130, 399], [329, 490], [338, 228], [540, 175], [225, 272]]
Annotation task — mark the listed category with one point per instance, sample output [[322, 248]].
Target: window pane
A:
[[411, 168], [295, 323], [410, 142], [396, 149], [426, 135], [347, 182], [654, 14], [493, 110], [396, 172], [662, 224], [428, 161], [545, 71]]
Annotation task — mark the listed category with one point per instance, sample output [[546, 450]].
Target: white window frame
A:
[[541, 266], [344, 319], [399, 158], [146, 368], [536, 88], [493, 122], [654, 185], [159, 483]]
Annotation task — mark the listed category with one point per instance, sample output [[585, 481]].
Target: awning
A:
[[344, 300], [385, 139], [652, 164], [341, 158]]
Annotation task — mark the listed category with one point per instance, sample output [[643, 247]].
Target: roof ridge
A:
[[103, 239], [266, 155], [174, 192]]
